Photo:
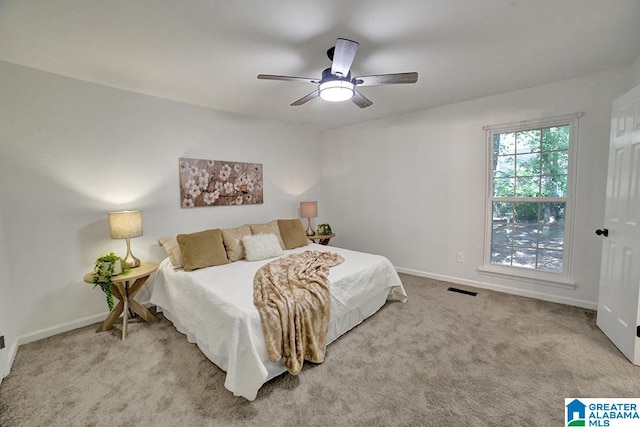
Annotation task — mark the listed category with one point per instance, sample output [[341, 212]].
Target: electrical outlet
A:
[[460, 257]]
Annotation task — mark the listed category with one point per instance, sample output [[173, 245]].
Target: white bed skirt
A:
[[337, 328]]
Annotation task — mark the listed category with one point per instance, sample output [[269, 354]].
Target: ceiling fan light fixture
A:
[[336, 83], [336, 90]]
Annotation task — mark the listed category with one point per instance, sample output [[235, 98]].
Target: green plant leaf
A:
[[103, 271]]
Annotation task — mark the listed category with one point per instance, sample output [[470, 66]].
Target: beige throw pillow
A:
[[292, 233], [202, 249], [232, 238], [170, 245], [268, 228]]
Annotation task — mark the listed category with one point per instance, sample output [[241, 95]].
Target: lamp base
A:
[[309, 231], [129, 259]]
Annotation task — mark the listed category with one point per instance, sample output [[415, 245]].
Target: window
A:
[[530, 198]]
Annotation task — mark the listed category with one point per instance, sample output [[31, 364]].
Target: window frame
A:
[[562, 279]]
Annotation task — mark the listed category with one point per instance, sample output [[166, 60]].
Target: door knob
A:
[[604, 232]]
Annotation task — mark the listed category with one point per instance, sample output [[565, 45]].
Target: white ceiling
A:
[[208, 52]]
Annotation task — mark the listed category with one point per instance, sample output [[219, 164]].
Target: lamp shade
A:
[[125, 224], [308, 209]]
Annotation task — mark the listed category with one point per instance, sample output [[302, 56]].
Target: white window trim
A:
[[564, 279]]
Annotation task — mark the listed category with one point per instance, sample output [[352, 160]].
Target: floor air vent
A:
[[462, 291]]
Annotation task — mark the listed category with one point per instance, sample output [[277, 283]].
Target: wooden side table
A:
[[323, 239], [125, 287]]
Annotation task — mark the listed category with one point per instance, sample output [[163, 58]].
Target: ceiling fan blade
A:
[[287, 78], [343, 55], [360, 100], [386, 79], [306, 98]]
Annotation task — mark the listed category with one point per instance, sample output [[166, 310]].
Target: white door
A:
[[618, 303]]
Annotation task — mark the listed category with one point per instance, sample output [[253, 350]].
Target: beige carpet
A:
[[441, 359]]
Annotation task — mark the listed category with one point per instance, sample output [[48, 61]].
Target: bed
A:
[[214, 308]]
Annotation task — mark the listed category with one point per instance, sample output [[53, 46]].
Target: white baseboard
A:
[[51, 331], [501, 288], [63, 327], [85, 321], [45, 333], [11, 356]]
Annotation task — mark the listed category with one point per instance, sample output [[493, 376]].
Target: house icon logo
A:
[[576, 413]]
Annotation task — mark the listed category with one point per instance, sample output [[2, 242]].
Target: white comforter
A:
[[214, 308]]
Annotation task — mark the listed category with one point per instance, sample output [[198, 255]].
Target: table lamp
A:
[[125, 225], [309, 210]]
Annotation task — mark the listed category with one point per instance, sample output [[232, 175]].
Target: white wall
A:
[[71, 151], [412, 187], [636, 70]]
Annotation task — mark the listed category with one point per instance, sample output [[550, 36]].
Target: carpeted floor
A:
[[441, 359]]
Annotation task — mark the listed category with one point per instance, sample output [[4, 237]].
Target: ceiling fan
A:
[[336, 83]]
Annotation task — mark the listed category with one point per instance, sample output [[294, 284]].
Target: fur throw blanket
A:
[[292, 297]]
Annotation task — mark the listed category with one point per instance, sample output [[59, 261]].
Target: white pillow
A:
[[261, 246]]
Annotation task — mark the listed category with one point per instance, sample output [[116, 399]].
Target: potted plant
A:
[[105, 268], [324, 230]]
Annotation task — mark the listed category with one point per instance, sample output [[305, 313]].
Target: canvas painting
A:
[[219, 182]]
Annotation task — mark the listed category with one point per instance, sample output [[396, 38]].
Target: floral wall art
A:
[[219, 182]]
